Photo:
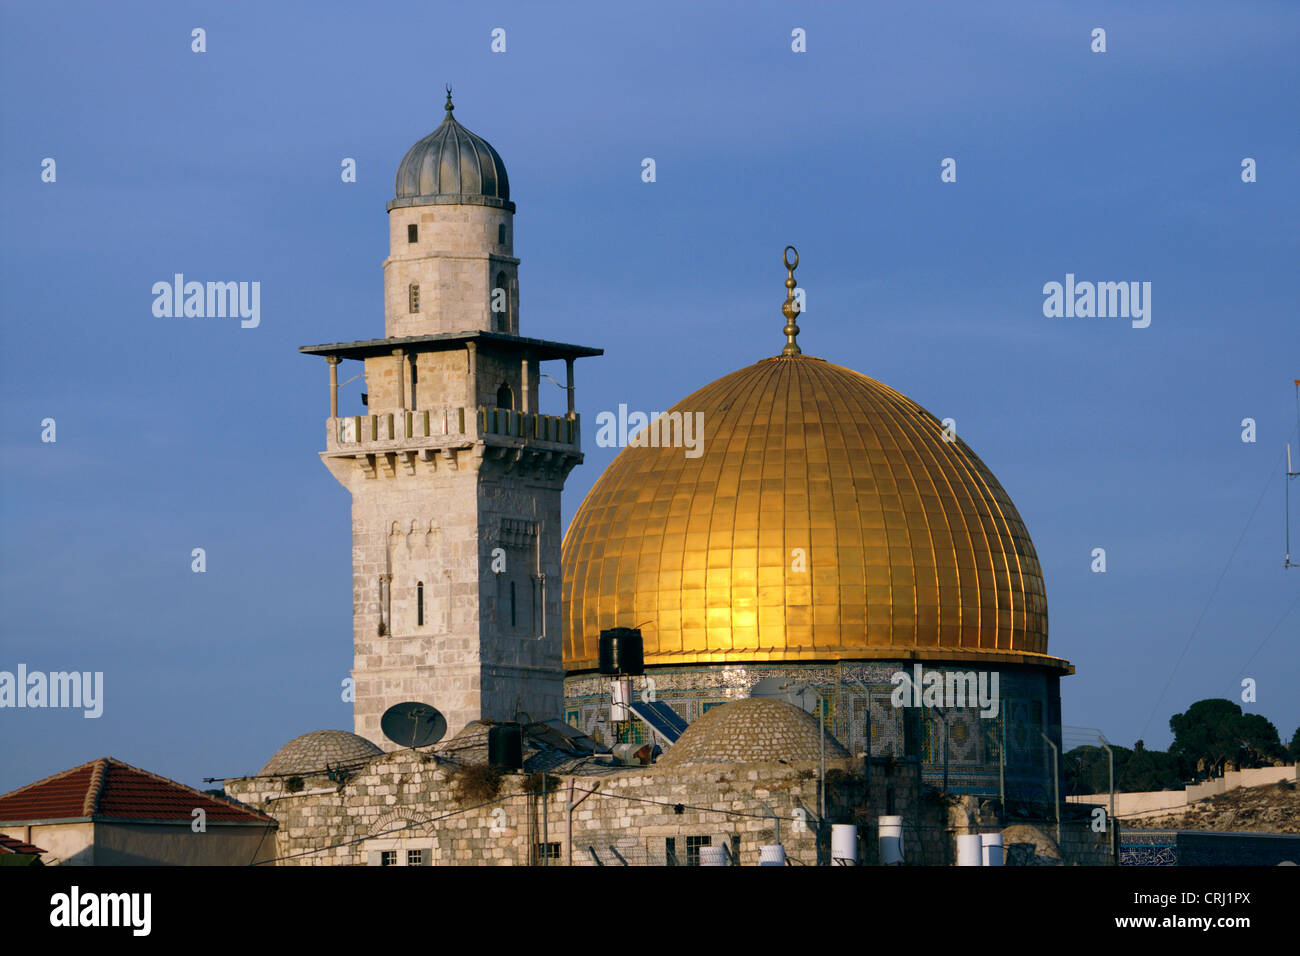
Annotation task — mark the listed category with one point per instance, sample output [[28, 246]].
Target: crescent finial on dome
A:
[[791, 307], [448, 107]]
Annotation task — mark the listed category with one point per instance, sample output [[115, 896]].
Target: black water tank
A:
[[621, 652], [506, 746]]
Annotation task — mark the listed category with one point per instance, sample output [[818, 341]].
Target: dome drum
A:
[[1028, 695], [457, 199]]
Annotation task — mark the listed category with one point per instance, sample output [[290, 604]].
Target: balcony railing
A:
[[436, 427], [550, 428]]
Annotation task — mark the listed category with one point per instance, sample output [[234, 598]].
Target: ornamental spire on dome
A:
[[448, 107], [791, 307]]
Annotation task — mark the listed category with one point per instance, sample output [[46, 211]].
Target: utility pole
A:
[[821, 722], [1056, 786], [1002, 763], [1110, 819], [569, 807]]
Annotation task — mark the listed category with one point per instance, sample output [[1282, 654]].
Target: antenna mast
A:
[[1290, 474]]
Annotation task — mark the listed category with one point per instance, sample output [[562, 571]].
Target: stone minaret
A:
[[455, 475]]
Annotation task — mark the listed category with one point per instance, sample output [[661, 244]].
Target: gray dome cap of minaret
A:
[[452, 165]]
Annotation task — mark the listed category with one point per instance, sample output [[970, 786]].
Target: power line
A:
[[262, 839], [1285, 615], [684, 806], [1215, 590], [735, 813]]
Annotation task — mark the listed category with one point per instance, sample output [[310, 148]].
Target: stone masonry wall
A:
[[522, 665], [418, 528], [455, 262], [406, 801], [439, 525]]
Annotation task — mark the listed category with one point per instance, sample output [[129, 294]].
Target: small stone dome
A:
[[452, 165], [753, 730], [312, 752]]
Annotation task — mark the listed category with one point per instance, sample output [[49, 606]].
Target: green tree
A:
[[1214, 733], [1086, 769], [1148, 770], [1260, 742]]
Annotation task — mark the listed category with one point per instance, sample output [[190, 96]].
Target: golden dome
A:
[[825, 519]]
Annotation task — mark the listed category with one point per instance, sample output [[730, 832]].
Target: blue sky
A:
[[183, 433]]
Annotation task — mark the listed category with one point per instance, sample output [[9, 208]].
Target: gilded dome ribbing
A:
[[910, 547]]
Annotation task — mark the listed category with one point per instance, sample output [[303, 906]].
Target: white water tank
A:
[[844, 844], [621, 691], [991, 843], [969, 850], [891, 841], [773, 855]]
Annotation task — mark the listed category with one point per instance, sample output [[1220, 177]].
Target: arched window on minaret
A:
[[500, 304], [505, 397], [419, 604]]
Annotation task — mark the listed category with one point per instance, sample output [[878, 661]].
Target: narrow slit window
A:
[[501, 304], [414, 295], [501, 233], [532, 607], [419, 604], [512, 603], [412, 233]]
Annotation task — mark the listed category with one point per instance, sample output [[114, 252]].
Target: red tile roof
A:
[[10, 844], [107, 789]]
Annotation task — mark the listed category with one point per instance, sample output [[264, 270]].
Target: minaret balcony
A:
[[529, 426], [408, 429]]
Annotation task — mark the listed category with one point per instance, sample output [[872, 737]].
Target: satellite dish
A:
[[412, 724], [787, 689]]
